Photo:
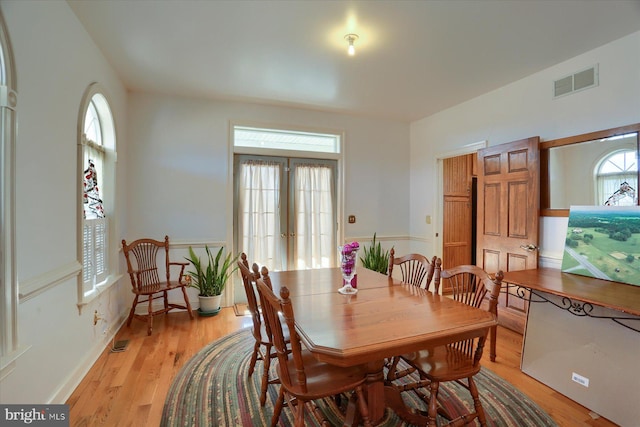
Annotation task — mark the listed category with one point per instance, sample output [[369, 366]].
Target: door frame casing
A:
[[232, 150]]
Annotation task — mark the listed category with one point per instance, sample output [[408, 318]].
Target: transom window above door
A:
[[280, 139]]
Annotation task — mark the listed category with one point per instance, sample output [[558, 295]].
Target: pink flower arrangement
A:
[[348, 257]]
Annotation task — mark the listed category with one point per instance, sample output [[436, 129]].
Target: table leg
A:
[[374, 388]]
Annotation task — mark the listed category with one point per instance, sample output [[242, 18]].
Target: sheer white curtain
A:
[[315, 241], [259, 212], [607, 185]]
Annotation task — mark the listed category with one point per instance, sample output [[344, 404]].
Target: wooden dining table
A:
[[384, 318]]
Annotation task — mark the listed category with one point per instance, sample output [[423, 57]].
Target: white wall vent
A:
[[581, 80]]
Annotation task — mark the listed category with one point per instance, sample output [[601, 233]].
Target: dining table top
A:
[[384, 318]]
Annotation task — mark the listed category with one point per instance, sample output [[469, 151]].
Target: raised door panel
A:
[[492, 204]]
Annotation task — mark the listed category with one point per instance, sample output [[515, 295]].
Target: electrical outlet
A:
[[584, 381]]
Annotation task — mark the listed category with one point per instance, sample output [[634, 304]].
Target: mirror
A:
[[596, 168]]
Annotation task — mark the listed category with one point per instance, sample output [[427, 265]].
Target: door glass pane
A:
[[314, 214], [286, 211], [259, 184]]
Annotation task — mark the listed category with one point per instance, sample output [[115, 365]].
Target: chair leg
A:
[[476, 402], [299, 413], [266, 363], [187, 303], [254, 358], [150, 316], [277, 410], [132, 311], [362, 406], [492, 349], [433, 404]]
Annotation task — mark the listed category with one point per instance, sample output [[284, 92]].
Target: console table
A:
[[582, 339], [579, 294]]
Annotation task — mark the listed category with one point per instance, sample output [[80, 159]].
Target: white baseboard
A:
[[550, 261], [62, 394]]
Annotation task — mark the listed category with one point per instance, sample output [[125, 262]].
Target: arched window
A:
[[9, 346], [617, 179], [97, 182]]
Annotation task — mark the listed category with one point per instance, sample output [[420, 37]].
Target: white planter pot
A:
[[209, 306]]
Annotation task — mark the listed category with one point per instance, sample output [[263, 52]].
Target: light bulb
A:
[[351, 38]]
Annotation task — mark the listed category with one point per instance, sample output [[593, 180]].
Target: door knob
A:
[[530, 247]]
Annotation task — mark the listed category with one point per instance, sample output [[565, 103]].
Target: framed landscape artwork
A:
[[604, 242]]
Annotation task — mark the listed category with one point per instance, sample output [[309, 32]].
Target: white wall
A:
[[520, 110], [55, 62], [179, 167]]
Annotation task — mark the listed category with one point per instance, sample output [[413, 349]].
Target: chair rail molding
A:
[[34, 286]]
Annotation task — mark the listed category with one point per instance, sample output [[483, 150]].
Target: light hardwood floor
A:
[[129, 388]]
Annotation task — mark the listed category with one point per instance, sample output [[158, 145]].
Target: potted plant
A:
[[210, 278], [374, 258]]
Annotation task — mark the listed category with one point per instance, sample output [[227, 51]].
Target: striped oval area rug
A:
[[212, 389]]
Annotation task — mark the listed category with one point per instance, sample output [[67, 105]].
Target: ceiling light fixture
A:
[[351, 38]]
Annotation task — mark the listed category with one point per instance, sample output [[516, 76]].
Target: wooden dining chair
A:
[[302, 377], [459, 361], [143, 258], [416, 269], [262, 346], [419, 271]]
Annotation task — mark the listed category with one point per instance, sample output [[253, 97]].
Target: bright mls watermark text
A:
[[36, 415]]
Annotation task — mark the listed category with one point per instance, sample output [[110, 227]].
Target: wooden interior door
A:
[[457, 211], [508, 215]]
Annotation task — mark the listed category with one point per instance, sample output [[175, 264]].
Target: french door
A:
[[285, 211]]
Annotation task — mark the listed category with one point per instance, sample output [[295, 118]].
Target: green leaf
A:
[[374, 258], [211, 280]]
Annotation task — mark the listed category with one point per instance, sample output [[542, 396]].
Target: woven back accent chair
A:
[[458, 361], [302, 377], [149, 282]]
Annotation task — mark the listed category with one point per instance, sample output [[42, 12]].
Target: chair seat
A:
[[443, 363], [323, 376], [157, 287]]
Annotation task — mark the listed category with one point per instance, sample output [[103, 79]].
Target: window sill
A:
[[99, 290]]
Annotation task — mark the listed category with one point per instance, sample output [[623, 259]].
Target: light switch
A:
[[352, 219], [428, 219]]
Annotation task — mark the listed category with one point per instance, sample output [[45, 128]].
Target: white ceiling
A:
[[414, 58]]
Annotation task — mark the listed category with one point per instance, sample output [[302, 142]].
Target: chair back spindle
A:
[[415, 269]]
